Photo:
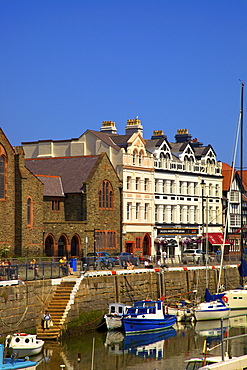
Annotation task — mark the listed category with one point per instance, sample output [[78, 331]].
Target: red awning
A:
[[216, 238]]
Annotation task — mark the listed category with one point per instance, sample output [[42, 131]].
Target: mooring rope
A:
[[18, 322]]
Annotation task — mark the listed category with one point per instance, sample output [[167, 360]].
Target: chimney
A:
[[108, 127], [182, 135], [133, 125], [158, 134]]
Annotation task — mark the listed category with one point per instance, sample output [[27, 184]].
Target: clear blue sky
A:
[[68, 65]]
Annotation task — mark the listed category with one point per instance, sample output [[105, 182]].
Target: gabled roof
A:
[[73, 171], [105, 137], [52, 185]]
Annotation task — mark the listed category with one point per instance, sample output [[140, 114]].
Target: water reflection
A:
[[164, 350]]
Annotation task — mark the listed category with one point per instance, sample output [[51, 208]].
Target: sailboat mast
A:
[[241, 170]]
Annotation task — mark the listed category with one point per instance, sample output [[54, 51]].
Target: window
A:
[[156, 213], [164, 213], [146, 182], [128, 182], [137, 183], [106, 195], [137, 210], [29, 211], [134, 157], [138, 242], [234, 196], [156, 185], [106, 240], [128, 211], [55, 205], [146, 211], [164, 186], [2, 177], [140, 158]]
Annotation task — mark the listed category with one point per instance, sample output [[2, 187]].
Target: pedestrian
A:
[[47, 322]]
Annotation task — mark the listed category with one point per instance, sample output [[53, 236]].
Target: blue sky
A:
[[68, 65]]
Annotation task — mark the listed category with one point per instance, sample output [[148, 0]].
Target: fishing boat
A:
[[115, 314], [147, 315], [23, 344], [13, 363], [214, 308]]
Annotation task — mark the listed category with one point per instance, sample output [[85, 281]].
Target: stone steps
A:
[[56, 309]]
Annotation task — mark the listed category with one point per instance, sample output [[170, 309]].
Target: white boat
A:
[[213, 310], [200, 362], [214, 307], [23, 344], [115, 314]]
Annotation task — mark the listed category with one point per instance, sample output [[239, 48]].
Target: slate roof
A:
[[52, 186], [73, 171]]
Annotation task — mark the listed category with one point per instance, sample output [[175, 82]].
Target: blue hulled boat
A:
[[10, 363], [147, 316]]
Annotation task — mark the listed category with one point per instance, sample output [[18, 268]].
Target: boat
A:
[[23, 344], [214, 308], [199, 362], [182, 313], [13, 363], [147, 315], [115, 314], [148, 345]]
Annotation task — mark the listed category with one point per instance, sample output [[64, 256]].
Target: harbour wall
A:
[[21, 306]]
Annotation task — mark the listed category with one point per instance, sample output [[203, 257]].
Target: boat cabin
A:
[[146, 308]]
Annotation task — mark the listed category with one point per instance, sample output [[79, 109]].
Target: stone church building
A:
[[57, 206]]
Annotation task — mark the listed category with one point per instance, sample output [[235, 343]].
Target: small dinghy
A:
[[23, 344]]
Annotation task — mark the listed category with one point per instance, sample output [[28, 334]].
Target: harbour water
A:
[[168, 350]]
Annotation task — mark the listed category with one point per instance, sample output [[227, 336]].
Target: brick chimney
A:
[[158, 134], [133, 125], [108, 127], [182, 135]]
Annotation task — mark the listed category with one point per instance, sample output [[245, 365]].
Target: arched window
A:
[[106, 195], [140, 157], [29, 212], [135, 154], [2, 177]]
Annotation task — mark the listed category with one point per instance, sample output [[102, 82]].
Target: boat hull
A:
[[23, 352], [113, 322], [204, 314], [138, 325]]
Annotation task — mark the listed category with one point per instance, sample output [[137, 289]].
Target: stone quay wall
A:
[[21, 306]]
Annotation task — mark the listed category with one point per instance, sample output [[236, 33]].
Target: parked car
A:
[[104, 259], [194, 255], [125, 257]]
